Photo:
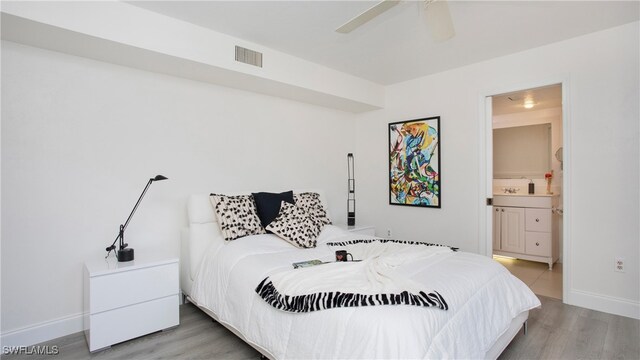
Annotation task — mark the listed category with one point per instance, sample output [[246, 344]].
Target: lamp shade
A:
[[159, 177]]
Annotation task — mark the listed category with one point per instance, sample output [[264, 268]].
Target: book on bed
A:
[[307, 263]]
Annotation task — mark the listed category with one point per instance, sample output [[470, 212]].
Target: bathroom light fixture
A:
[[528, 103]]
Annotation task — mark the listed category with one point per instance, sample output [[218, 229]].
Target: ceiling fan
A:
[[436, 12]]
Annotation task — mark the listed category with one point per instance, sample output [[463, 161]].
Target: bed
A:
[[487, 306]]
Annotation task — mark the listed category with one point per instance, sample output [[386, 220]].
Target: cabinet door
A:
[[496, 228], [512, 229]]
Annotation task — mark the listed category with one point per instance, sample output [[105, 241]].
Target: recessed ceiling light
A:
[[528, 103]]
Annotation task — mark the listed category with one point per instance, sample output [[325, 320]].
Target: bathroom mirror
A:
[[522, 151]]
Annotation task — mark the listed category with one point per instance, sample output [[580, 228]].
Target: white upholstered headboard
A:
[[203, 231]]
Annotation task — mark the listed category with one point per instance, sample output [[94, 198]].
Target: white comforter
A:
[[483, 298]]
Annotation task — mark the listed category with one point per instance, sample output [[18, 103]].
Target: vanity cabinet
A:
[[508, 229], [524, 228]]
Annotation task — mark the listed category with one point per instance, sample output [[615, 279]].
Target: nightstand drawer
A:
[[131, 287], [122, 324]]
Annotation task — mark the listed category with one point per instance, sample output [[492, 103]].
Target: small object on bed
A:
[[342, 255], [308, 263]]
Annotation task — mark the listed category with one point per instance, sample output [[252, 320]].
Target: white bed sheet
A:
[[483, 298]]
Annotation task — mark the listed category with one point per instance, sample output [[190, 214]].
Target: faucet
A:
[[510, 190]]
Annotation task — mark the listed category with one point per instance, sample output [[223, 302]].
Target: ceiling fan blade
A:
[[438, 18], [369, 14]]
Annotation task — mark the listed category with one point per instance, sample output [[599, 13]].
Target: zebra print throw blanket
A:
[[376, 280]]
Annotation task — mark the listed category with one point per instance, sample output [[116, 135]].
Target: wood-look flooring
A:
[[557, 331]]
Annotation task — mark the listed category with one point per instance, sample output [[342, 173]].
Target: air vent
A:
[[247, 56]]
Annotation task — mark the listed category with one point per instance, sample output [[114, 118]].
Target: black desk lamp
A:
[[126, 253]]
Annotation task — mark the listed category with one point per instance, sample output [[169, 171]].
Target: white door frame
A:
[[485, 153]]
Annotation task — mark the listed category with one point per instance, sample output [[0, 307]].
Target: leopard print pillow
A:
[[237, 216], [295, 225], [310, 202]]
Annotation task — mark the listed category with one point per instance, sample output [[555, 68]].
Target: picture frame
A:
[[414, 163]]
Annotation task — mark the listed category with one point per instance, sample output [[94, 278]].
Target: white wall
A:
[[80, 139], [602, 70], [120, 33]]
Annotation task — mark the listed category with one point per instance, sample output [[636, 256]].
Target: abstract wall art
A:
[[414, 163]]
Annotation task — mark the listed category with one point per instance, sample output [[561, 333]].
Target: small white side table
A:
[[124, 300], [359, 229]]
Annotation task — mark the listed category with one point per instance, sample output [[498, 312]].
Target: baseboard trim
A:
[[608, 304], [43, 331]]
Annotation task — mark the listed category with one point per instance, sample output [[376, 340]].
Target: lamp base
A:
[[351, 220], [125, 255]]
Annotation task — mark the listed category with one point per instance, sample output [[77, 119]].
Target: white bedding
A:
[[483, 298]]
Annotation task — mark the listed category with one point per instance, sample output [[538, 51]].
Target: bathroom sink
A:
[[525, 200]]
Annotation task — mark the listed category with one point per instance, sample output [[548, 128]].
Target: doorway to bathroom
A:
[[527, 186]]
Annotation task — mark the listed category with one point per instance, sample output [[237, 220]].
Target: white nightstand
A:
[[359, 229], [124, 300]]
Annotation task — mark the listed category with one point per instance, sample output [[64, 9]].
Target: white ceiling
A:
[[396, 46], [543, 98]]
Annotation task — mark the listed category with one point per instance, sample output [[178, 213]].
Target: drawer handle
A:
[[502, 210], [537, 220], [497, 210], [537, 244]]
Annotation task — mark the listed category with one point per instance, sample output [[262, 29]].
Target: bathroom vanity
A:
[[525, 227]]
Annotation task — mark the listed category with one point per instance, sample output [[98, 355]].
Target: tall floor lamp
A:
[[124, 252], [351, 193]]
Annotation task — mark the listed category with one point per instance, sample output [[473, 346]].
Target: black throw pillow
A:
[[268, 205]]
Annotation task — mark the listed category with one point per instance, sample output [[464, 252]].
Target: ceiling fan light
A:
[[438, 19]]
